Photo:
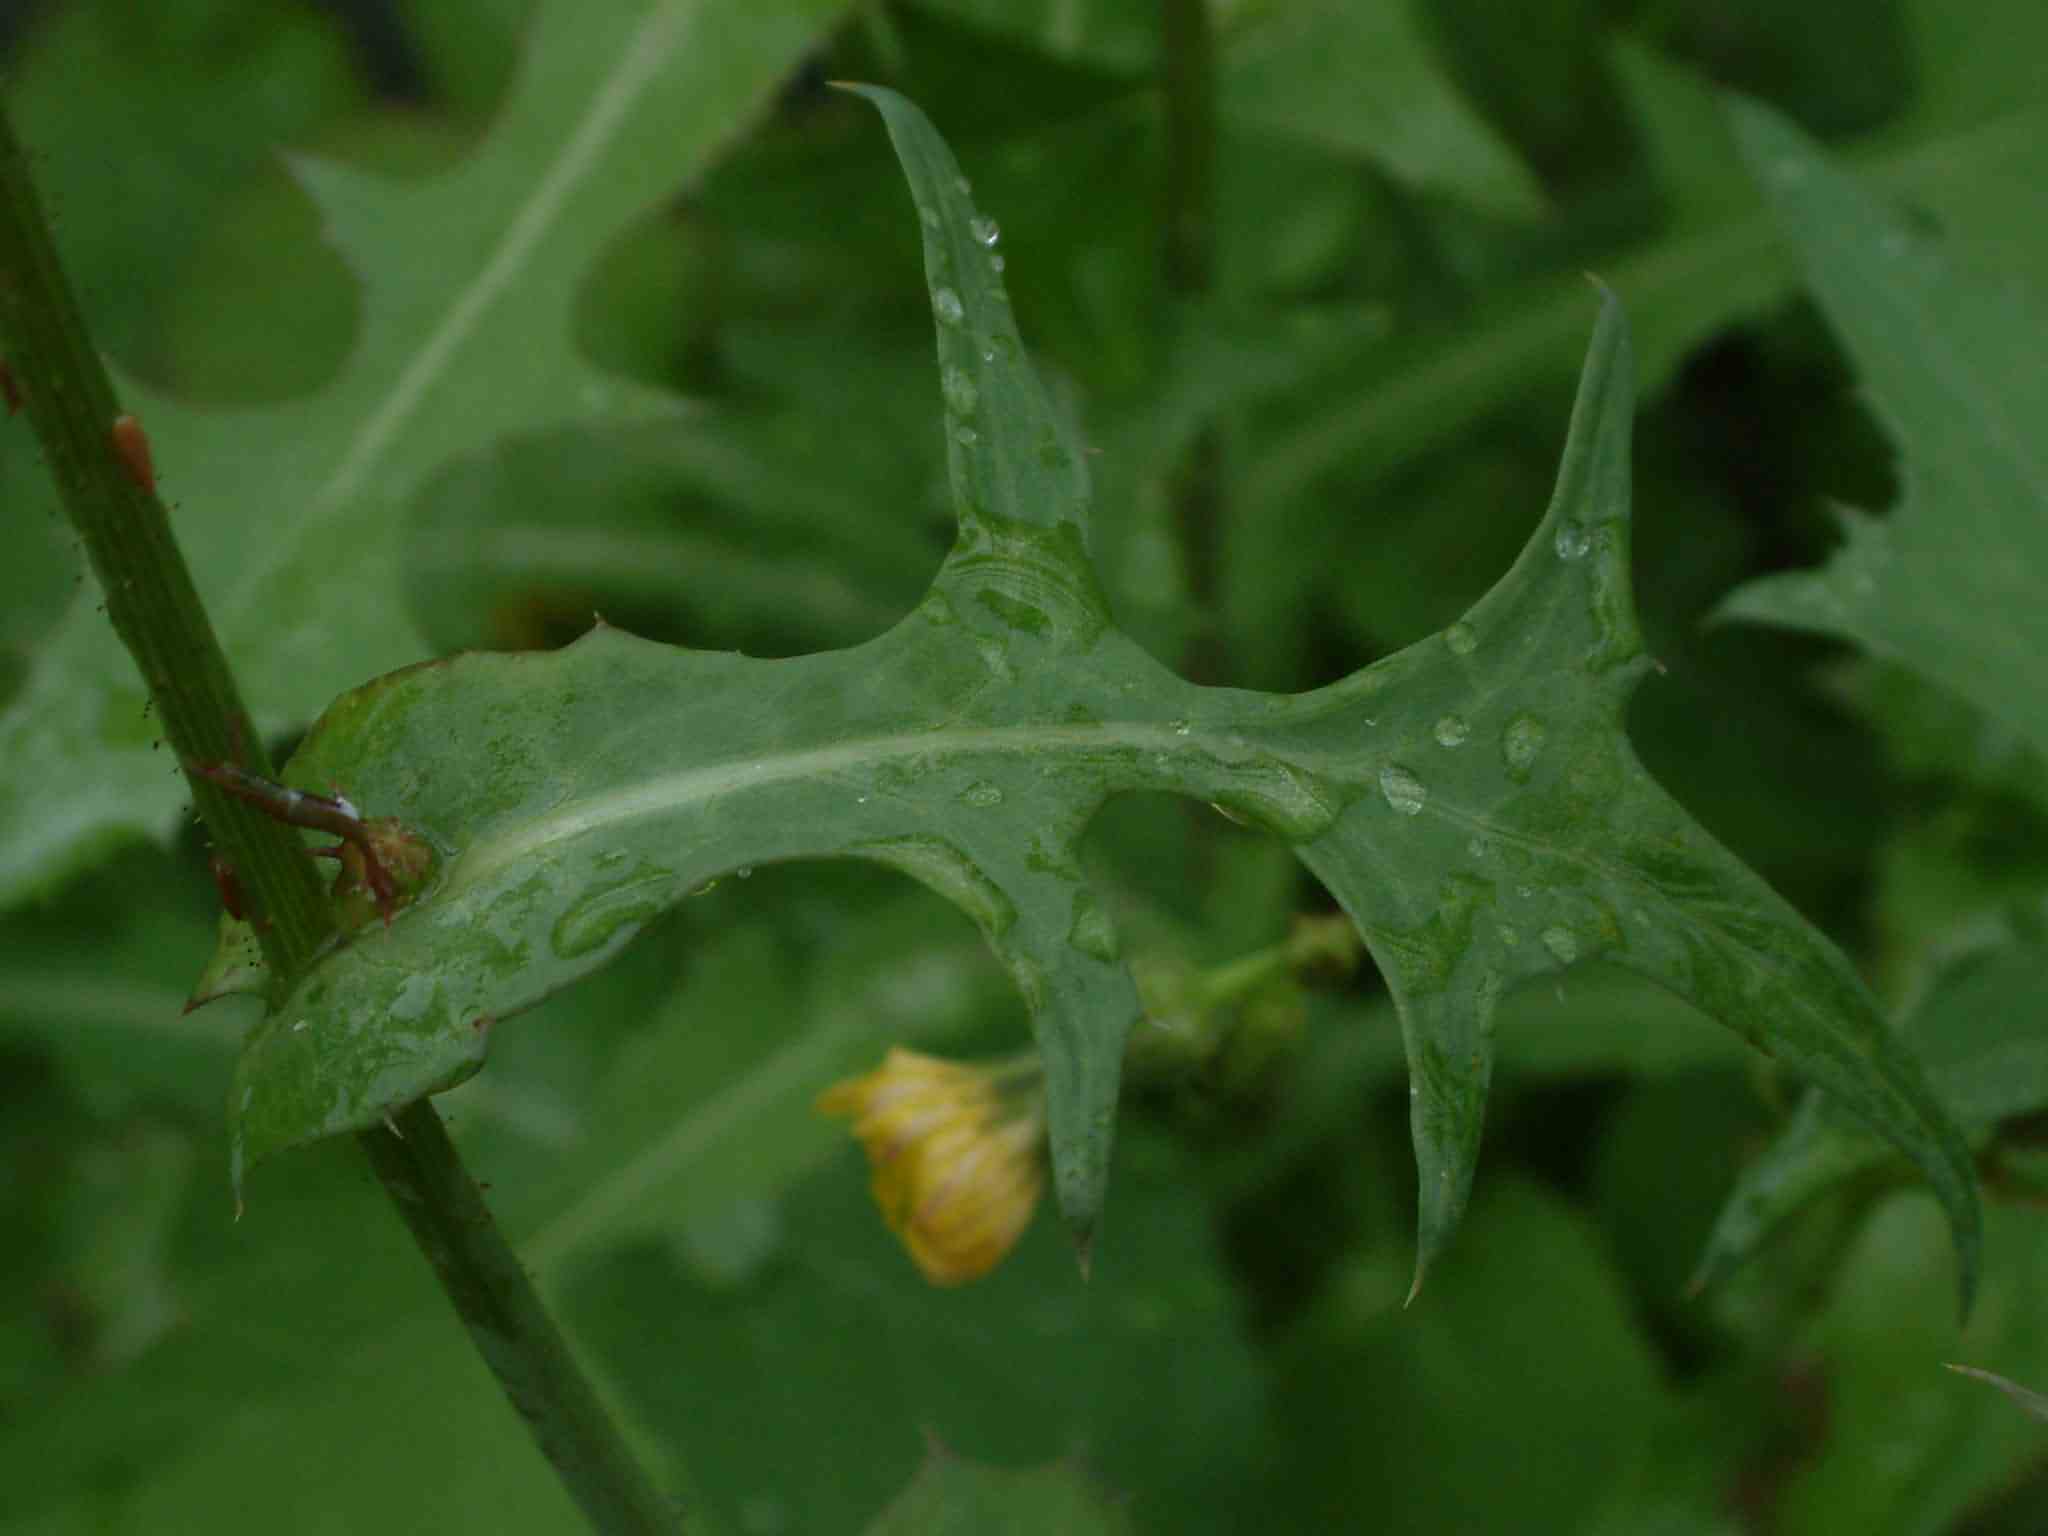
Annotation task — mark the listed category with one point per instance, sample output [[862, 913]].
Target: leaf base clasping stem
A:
[[101, 461]]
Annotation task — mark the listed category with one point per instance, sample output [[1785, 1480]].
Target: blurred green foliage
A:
[[1378, 376]]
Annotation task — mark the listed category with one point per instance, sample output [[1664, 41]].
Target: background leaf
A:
[[949, 1495], [467, 334], [1950, 583]]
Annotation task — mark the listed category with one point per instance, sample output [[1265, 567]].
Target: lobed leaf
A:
[[1969, 156], [1977, 1030], [1951, 582], [1471, 801], [467, 334]]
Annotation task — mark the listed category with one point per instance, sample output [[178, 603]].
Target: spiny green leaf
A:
[[1471, 801], [1978, 1033], [1951, 583], [290, 517]]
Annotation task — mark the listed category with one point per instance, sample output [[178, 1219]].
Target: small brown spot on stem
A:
[[131, 447]]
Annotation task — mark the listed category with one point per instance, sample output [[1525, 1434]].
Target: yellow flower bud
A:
[[955, 1154]]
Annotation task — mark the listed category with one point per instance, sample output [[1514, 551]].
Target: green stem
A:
[[149, 594], [1189, 53], [1199, 1006], [150, 598], [1327, 943], [512, 1329]]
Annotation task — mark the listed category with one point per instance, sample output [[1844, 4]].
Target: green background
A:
[[1376, 375]]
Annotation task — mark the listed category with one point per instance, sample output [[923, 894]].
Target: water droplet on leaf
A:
[[966, 437], [1520, 745], [959, 390], [982, 794], [1462, 639], [947, 306], [1405, 793], [1452, 730], [985, 230], [1562, 943], [1573, 541]]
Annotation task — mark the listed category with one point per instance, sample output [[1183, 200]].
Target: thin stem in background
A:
[[1195, 491], [99, 459]]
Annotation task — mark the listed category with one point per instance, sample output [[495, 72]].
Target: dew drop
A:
[[1562, 943], [959, 389], [745, 871], [1182, 728], [947, 306], [1405, 792], [930, 216], [1520, 745], [1573, 541], [1509, 937], [1461, 639], [965, 436], [985, 230], [963, 186], [981, 794], [1451, 731], [988, 354], [996, 264]]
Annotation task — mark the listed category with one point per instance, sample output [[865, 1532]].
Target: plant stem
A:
[[1189, 52], [101, 476], [512, 1329], [1190, 79], [150, 599]]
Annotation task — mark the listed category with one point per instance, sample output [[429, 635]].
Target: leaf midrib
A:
[[665, 794], [639, 64]]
